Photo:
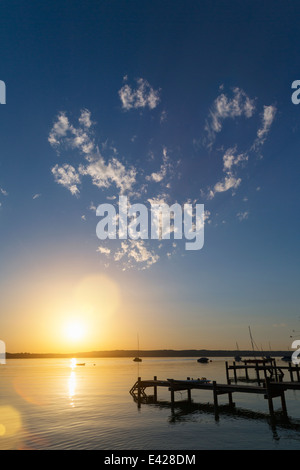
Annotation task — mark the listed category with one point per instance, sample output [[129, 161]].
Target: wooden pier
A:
[[269, 390], [269, 369]]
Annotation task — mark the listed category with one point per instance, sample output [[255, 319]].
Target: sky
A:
[[185, 102]]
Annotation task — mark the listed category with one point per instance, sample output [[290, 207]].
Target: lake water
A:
[[50, 404]]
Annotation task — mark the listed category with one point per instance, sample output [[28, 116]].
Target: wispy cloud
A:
[[237, 105], [166, 169], [242, 215], [102, 173], [134, 252], [140, 97], [103, 250], [223, 108], [231, 180], [3, 191], [267, 119], [63, 133], [67, 176]]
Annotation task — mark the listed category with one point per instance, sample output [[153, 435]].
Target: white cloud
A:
[[80, 138], [163, 116], [268, 117], [242, 215], [67, 176], [135, 252], [144, 95], [103, 174], [64, 133], [59, 129], [223, 108], [230, 159], [230, 181], [165, 168], [103, 250], [2, 191], [85, 118]]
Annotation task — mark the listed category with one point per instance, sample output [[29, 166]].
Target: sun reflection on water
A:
[[72, 382]]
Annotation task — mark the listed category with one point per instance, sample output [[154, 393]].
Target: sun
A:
[[75, 330]]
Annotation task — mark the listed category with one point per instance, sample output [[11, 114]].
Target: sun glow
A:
[[75, 330]]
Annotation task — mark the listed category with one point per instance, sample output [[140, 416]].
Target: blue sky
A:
[[171, 101]]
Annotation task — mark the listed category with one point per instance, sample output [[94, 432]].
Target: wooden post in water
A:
[[276, 374], [283, 404], [215, 399], [246, 372], [269, 397], [257, 374], [227, 372], [139, 392], [297, 372], [155, 390], [291, 372], [172, 397], [234, 371], [189, 394], [231, 403]]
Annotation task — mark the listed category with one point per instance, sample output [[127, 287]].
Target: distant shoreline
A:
[[149, 353]]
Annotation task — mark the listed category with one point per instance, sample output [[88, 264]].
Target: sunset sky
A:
[[173, 101]]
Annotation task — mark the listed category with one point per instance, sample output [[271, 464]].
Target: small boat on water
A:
[[80, 364], [138, 359], [204, 360], [237, 358]]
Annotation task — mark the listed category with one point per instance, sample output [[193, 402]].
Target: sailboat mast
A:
[[251, 340]]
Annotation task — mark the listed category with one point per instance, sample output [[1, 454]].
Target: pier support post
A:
[[291, 372], [227, 373], [155, 390], [276, 372], [269, 398], [231, 403], [139, 392], [234, 371], [297, 372], [172, 397], [189, 394], [257, 374], [215, 393], [283, 404], [246, 372]]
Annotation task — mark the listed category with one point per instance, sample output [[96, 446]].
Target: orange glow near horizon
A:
[[59, 314]]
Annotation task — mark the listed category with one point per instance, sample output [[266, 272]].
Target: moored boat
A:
[[137, 359], [204, 360]]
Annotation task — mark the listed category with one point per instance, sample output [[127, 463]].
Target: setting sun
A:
[[75, 330]]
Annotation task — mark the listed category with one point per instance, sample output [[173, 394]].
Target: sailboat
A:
[[138, 359], [237, 358], [263, 360]]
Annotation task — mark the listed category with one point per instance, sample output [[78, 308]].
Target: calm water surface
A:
[[50, 404]]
